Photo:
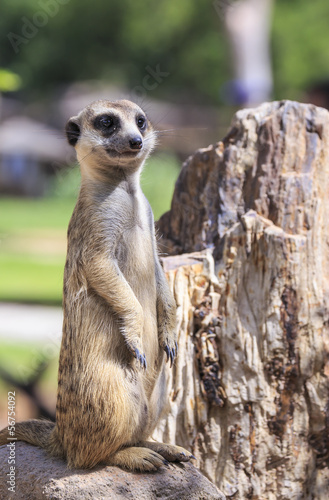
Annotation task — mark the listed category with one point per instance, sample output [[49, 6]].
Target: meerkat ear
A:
[[72, 130]]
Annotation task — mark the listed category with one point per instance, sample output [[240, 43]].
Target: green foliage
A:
[[115, 40], [9, 81], [300, 45]]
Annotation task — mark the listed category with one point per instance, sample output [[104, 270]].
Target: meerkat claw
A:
[[144, 362], [167, 351], [141, 358], [171, 354]]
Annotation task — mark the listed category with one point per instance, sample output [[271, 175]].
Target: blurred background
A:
[[189, 64]]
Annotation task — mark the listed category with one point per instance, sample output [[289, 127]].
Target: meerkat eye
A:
[[106, 121], [141, 122], [106, 124]]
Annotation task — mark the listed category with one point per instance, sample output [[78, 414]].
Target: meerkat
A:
[[119, 314]]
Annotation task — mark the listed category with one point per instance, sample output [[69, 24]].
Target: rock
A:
[[40, 477]]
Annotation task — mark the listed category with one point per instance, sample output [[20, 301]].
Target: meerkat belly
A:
[[136, 261]]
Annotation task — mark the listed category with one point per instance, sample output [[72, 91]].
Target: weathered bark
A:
[[249, 393]]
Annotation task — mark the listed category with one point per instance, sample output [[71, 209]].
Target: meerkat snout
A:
[[136, 142]]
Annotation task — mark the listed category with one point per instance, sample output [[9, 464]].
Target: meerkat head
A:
[[111, 136]]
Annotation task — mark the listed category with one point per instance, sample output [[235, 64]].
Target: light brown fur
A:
[[119, 315]]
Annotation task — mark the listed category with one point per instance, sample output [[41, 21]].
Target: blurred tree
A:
[[54, 42], [9, 81], [300, 45], [248, 24]]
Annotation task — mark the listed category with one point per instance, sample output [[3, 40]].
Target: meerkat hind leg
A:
[[135, 458], [170, 452]]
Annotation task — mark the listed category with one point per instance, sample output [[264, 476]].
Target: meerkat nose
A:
[[135, 142]]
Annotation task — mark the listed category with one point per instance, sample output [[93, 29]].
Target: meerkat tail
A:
[[36, 432]]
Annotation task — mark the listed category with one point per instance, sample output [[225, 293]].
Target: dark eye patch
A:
[[106, 123]]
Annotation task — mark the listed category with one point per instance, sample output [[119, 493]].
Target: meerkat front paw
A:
[[166, 312], [170, 347], [167, 340], [138, 354]]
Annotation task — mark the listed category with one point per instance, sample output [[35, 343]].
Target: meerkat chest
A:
[[135, 246]]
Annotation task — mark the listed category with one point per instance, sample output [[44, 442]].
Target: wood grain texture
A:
[[249, 393]]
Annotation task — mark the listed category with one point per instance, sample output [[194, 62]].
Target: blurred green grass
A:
[[30, 279], [20, 359], [33, 231]]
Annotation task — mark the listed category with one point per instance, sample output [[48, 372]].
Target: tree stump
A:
[[248, 243]]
